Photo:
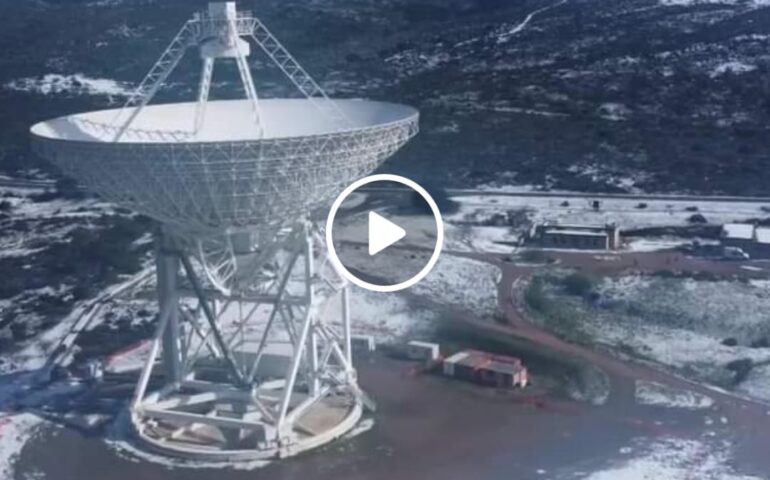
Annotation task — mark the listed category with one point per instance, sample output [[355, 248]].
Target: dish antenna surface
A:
[[253, 334]]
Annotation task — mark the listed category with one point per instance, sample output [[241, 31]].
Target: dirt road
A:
[[750, 419]]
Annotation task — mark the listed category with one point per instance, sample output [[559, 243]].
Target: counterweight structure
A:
[[252, 353]]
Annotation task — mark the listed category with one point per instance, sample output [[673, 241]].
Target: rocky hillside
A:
[[657, 95]]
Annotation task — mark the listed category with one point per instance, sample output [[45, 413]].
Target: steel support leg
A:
[[203, 93], [168, 295], [299, 346], [346, 324]]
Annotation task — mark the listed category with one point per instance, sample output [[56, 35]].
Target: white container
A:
[[363, 343], [422, 351]]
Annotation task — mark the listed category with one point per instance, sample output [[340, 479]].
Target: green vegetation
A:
[[579, 284], [534, 296], [68, 188], [741, 369], [534, 256], [555, 313]]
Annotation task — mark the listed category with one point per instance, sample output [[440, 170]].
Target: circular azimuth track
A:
[[252, 351]]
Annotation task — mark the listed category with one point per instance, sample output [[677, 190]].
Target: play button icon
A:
[[384, 233]]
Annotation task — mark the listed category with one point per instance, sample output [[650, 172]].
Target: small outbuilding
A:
[[484, 368], [424, 351], [579, 237], [752, 239], [762, 235], [738, 234], [363, 343]]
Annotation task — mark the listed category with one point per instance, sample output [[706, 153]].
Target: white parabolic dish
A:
[[224, 176]]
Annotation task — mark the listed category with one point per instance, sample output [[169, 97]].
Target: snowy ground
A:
[[389, 318], [670, 459], [32, 221], [481, 239], [79, 84], [750, 3], [52, 219], [624, 212], [659, 395], [682, 324], [757, 384], [467, 283], [719, 308], [663, 243], [15, 430], [463, 282], [23, 379]]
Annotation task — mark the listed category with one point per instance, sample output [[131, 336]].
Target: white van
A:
[[734, 253]]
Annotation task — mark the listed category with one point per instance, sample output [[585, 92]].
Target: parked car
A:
[[734, 253]]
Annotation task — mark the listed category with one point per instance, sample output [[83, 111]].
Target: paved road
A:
[[588, 195], [12, 182]]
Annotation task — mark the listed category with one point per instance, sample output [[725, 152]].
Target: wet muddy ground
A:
[[426, 427]]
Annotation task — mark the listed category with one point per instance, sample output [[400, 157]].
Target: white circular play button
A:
[[384, 233]]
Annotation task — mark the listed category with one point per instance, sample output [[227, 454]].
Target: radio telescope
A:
[[253, 343]]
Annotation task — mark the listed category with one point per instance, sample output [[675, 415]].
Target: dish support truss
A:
[[218, 34], [262, 372]]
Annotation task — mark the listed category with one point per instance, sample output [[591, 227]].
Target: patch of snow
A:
[[718, 308], [387, 317], [470, 284], [732, 67], [656, 244], [656, 394], [451, 127], [621, 211], [471, 103], [690, 3], [519, 27], [15, 431], [682, 323], [33, 356], [675, 459], [484, 239], [757, 384], [751, 268], [77, 84], [614, 111]]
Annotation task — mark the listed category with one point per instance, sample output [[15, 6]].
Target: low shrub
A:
[[578, 284]]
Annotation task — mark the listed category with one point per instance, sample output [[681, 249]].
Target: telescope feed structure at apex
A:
[[252, 364]]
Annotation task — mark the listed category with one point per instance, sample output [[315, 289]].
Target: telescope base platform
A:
[[326, 420]]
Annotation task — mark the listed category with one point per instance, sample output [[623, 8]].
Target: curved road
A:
[[749, 418]]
